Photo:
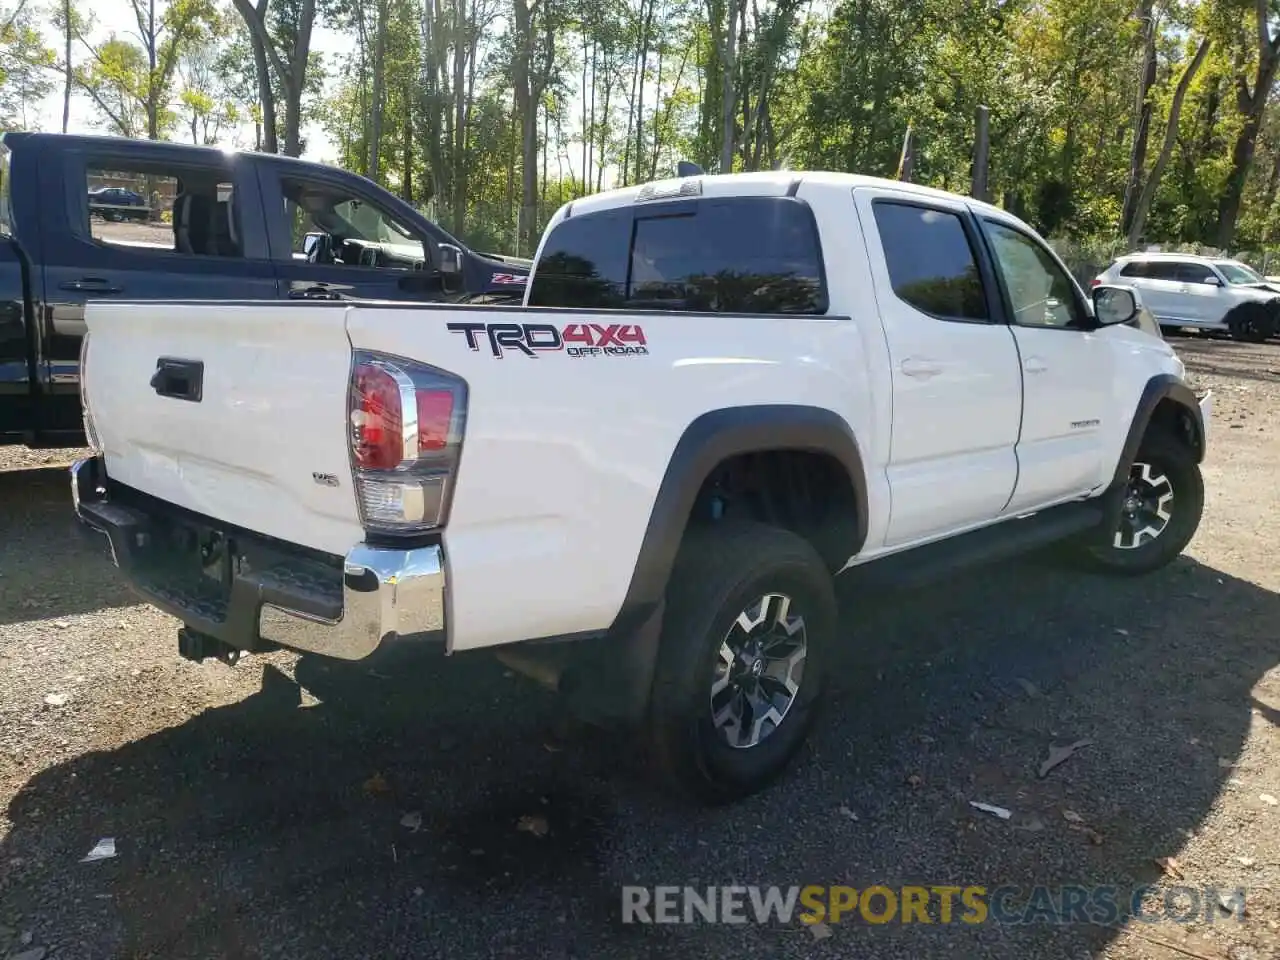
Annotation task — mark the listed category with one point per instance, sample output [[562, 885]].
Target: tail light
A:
[[1095, 282], [86, 414], [407, 421]]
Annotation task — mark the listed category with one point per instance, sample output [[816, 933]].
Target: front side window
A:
[[1238, 273], [330, 226], [931, 263], [1040, 292], [738, 255], [187, 210]]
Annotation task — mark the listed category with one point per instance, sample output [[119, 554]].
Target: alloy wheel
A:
[[1147, 507], [758, 671]]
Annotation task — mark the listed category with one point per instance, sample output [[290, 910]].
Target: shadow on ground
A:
[[252, 830], [52, 566]]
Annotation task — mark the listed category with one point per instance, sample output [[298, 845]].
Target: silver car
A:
[[1210, 293]]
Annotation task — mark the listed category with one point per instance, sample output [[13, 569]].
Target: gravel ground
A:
[[257, 811]]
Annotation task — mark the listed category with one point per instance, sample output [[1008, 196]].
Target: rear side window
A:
[[6, 210], [931, 263], [1161, 270], [157, 209], [738, 255], [1135, 268], [1194, 273]]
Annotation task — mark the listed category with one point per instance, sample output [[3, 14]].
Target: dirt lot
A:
[[261, 811]]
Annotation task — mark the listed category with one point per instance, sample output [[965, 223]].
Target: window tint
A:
[[931, 264], [191, 211], [1194, 273], [744, 255], [1040, 292], [331, 226], [584, 262], [1135, 268], [1162, 270]]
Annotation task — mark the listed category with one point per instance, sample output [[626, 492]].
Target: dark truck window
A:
[[930, 260], [331, 226], [6, 209], [191, 211], [736, 255]]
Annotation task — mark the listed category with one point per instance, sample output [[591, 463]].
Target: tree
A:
[[281, 38], [25, 65]]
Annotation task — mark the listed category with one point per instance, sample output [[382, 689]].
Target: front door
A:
[[195, 239], [1067, 404], [331, 241], [957, 389]]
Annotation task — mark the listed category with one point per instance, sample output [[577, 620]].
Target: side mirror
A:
[[1212, 281], [318, 248], [1114, 305], [450, 260]]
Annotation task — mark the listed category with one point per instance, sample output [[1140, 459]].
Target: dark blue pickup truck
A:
[[208, 224]]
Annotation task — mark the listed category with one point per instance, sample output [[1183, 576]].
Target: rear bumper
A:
[[346, 608]]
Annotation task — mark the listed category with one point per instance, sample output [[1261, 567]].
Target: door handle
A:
[[315, 293], [90, 285], [179, 379], [1034, 365], [920, 368]]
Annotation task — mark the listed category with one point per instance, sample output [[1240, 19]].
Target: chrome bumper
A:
[[345, 611]]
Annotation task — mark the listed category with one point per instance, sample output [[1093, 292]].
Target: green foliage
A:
[[624, 89]]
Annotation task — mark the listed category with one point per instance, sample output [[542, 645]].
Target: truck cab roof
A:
[[774, 183]]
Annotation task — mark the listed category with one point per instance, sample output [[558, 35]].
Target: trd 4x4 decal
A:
[[576, 339]]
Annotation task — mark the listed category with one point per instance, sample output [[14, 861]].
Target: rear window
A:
[[736, 255]]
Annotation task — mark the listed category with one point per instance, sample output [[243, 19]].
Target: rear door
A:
[[957, 387], [334, 238], [1161, 288], [200, 237], [1201, 293]]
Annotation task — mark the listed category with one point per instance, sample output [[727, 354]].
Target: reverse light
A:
[[406, 426]]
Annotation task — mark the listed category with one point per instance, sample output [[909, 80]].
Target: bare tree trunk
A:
[[1142, 129], [1251, 104], [70, 75], [379, 92], [1149, 188], [728, 83], [644, 63]]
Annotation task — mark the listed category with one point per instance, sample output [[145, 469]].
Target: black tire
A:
[[1162, 466], [720, 573], [1252, 322]]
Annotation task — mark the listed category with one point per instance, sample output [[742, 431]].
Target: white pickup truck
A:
[[638, 487]]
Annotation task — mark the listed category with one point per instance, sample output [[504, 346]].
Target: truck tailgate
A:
[[245, 424]]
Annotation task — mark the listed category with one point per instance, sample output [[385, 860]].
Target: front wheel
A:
[[1160, 513], [1252, 322], [750, 618]]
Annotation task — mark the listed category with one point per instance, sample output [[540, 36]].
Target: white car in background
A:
[[1183, 290]]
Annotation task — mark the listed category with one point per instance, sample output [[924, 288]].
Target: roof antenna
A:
[[686, 168]]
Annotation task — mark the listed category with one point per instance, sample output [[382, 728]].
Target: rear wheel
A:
[[1160, 513], [749, 622]]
